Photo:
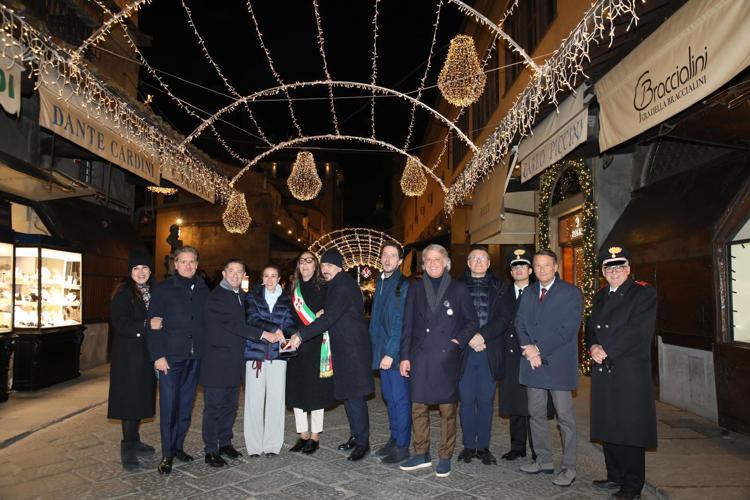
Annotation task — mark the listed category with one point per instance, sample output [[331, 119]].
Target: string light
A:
[[461, 81], [559, 73], [374, 65], [358, 246], [236, 218], [101, 33], [276, 75], [166, 191], [321, 48], [413, 180], [589, 210], [304, 182]]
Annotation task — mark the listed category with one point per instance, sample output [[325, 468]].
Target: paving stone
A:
[[217, 480], [371, 488], [175, 490], [225, 493], [150, 480], [45, 486], [309, 489], [269, 482], [539, 485]]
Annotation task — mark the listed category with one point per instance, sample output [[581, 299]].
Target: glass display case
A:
[[47, 288], [6, 287]]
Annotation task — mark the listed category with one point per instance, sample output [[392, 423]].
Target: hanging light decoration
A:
[[413, 180], [166, 191], [461, 81], [304, 182], [236, 217]]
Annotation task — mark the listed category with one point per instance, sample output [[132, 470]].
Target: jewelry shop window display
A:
[[6, 287]]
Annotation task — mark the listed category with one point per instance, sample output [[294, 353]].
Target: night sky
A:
[[289, 32]]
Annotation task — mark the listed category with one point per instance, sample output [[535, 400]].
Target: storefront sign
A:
[[70, 121], [570, 228], [555, 136], [696, 51], [10, 85]]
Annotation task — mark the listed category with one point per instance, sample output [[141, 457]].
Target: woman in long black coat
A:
[[132, 382], [307, 389]]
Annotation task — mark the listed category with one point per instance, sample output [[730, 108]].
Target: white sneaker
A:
[[565, 478], [536, 468]]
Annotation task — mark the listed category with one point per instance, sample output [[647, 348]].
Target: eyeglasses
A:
[[615, 269], [306, 260]]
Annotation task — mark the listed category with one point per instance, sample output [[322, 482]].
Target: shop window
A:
[[739, 284], [526, 26]]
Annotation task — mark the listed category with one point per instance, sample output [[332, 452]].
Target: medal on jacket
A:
[[449, 311]]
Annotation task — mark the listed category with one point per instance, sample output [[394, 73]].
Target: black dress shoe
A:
[[467, 454], [348, 445], [182, 456], [270, 455], [358, 453], [311, 447], [165, 466], [486, 456], [514, 454], [229, 451], [625, 495], [215, 460], [605, 484], [300, 444]]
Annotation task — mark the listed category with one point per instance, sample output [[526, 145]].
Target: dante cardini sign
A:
[[10, 83], [696, 51]]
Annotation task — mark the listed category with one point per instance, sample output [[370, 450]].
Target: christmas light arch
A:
[[359, 246]]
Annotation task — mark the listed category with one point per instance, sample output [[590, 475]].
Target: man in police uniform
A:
[[618, 336]]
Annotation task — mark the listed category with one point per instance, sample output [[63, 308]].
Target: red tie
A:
[[544, 292]]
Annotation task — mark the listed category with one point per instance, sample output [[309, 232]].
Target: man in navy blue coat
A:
[[175, 340], [439, 321], [386, 323], [547, 324], [223, 362]]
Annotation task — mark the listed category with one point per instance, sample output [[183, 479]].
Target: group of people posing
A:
[[436, 342]]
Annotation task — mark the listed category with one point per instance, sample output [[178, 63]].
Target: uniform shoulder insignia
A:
[[641, 283]]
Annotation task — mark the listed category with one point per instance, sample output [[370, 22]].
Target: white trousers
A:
[[316, 420], [264, 406]]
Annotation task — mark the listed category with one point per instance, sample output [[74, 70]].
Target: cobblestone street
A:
[[79, 458]]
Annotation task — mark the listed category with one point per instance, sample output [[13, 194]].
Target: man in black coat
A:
[[344, 319], [619, 333], [223, 362], [175, 340], [513, 399], [482, 364]]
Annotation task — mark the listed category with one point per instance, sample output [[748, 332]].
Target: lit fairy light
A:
[[321, 47], [358, 246]]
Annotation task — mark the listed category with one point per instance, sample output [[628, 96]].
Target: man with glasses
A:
[[482, 362], [175, 340], [619, 333]]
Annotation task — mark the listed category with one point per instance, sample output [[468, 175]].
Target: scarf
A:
[[306, 316], [434, 296], [272, 297], [145, 293], [226, 286]]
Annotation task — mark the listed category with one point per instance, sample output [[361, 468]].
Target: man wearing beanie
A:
[[344, 319]]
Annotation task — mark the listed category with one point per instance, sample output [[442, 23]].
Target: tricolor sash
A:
[[307, 316]]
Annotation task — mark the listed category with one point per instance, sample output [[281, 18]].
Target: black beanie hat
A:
[[139, 257], [332, 257]]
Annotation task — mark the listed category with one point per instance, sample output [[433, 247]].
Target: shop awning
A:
[[555, 136], [692, 54], [36, 184], [501, 218]]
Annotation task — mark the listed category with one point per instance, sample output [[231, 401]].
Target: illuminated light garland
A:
[[336, 83], [304, 182], [216, 67], [101, 33], [236, 218], [590, 216], [48, 59], [180, 103], [461, 81], [374, 64], [413, 180], [358, 246], [424, 76], [322, 49], [276, 75], [166, 191], [560, 72], [333, 137]]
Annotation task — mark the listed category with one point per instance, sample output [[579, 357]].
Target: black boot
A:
[[127, 455], [142, 449]]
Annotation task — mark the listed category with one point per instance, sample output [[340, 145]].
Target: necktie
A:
[[544, 292], [520, 292]]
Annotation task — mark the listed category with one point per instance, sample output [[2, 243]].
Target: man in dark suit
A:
[[439, 321], [513, 399], [175, 341], [344, 319], [483, 362], [619, 333], [547, 324], [223, 362]]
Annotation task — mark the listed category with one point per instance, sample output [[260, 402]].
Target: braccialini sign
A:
[[696, 51]]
